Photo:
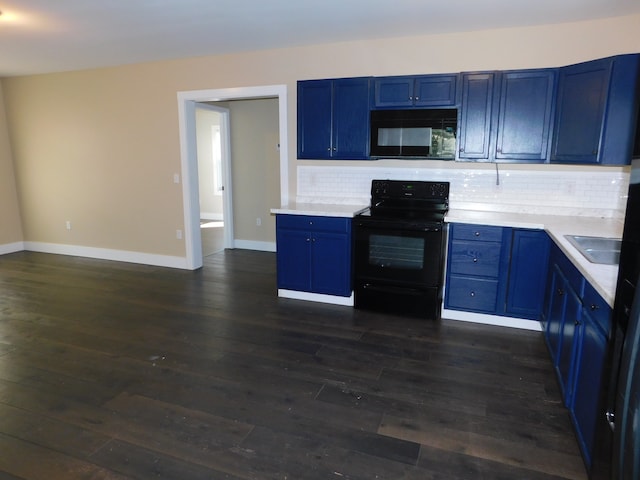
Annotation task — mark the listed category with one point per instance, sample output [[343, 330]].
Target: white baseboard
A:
[[491, 320], [108, 254], [122, 255], [11, 248], [253, 245], [316, 297]]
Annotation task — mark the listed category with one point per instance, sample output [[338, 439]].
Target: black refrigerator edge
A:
[[617, 442]]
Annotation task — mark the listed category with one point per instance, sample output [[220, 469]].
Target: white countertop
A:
[[319, 209], [602, 277]]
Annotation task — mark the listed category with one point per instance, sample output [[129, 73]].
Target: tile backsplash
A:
[[568, 191]]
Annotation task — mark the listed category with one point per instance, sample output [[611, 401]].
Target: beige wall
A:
[[10, 224], [100, 147], [255, 168]]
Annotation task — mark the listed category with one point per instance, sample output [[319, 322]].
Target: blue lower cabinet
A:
[[527, 273], [496, 270], [314, 254], [477, 256], [577, 323]]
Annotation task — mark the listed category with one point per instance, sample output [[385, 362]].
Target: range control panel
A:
[[415, 189]]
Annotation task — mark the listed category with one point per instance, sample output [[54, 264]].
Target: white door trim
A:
[[188, 154]]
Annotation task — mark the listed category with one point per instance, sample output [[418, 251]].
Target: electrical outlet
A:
[[176, 178], [179, 234], [258, 221], [68, 224]]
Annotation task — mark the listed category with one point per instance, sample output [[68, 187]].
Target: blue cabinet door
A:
[[435, 90], [393, 92], [528, 273], [350, 119], [293, 259], [587, 381], [570, 342], [526, 105], [555, 311], [314, 119], [622, 111], [475, 116], [582, 96], [330, 263]]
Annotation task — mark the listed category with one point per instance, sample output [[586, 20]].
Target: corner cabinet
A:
[[415, 91], [596, 111], [577, 323], [496, 270], [506, 116], [314, 254], [333, 119]]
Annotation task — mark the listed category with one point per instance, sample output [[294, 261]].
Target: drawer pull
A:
[[477, 234], [594, 307], [475, 260], [473, 294]]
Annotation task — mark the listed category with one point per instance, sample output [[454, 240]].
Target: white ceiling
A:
[[38, 36]]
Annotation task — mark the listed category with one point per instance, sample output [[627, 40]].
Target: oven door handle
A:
[[399, 226], [392, 289]]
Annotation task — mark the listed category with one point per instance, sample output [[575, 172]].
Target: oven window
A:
[[396, 252]]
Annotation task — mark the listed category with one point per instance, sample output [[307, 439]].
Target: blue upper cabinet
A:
[[333, 119], [506, 116], [524, 118], [415, 91], [579, 114], [474, 123], [596, 111], [582, 96], [314, 118]]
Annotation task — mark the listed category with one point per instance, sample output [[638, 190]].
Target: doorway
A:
[[187, 102]]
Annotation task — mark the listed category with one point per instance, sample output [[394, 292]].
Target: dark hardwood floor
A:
[[111, 371]]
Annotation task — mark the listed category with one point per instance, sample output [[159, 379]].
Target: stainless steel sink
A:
[[597, 249]]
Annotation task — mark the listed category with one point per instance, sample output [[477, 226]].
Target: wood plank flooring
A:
[[115, 371]]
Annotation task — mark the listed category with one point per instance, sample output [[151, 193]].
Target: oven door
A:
[[396, 252]]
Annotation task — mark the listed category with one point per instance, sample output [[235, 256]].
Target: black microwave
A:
[[416, 133]]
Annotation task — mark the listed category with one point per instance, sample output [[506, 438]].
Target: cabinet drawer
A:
[[309, 222], [475, 294], [475, 258], [598, 309], [463, 231]]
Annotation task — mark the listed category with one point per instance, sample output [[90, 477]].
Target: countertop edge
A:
[[319, 209]]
